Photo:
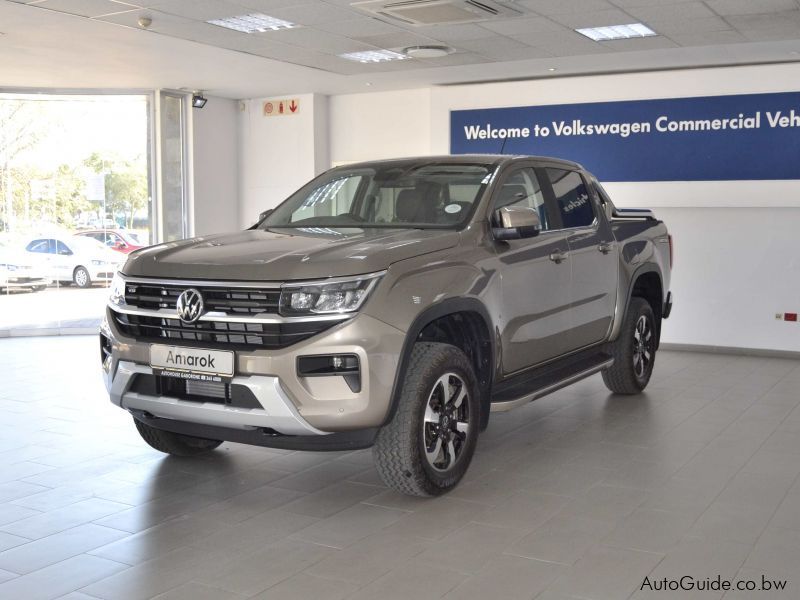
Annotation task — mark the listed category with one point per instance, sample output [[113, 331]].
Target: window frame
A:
[[550, 197], [498, 186]]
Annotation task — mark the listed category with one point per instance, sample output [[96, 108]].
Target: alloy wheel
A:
[[643, 346], [446, 422]]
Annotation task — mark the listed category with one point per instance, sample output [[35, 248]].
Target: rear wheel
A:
[[426, 448], [81, 277], [174, 443], [634, 350]]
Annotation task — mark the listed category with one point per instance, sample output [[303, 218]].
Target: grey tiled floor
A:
[[578, 495]]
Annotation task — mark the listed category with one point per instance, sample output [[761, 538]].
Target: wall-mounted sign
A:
[[752, 136], [280, 107]]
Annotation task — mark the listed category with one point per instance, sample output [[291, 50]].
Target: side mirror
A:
[[516, 222]]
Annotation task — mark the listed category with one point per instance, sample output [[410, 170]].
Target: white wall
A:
[[380, 125], [279, 154], [215, 166], [736, 243]]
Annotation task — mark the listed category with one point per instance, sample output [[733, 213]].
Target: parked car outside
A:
[[69, 259], [116, 239], [18, 271]]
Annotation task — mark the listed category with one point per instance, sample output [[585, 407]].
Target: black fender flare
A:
[[638, 272], [440, 309]]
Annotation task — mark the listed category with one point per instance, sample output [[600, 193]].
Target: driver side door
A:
[[535, 276]]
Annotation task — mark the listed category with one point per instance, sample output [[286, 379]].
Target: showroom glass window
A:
[[426, 196], [572, 198]]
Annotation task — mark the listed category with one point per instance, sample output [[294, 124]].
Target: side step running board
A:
[[548, 380]]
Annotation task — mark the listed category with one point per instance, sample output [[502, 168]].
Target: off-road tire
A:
[[81, 277], [174, 443], [399, 450], [622, 378]]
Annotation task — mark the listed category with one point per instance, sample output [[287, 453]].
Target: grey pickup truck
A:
[[392, 304]]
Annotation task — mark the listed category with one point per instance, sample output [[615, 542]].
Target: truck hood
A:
[[286, 254]]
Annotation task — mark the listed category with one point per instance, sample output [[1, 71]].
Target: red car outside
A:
[[116, 239]]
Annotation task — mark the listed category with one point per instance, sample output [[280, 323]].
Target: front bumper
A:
[[23, 282], [289, 404]]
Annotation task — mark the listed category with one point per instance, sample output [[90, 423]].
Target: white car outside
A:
[[69, 259], [17, 271]]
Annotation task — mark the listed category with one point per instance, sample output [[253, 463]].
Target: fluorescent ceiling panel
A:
[[617, 32], [253, 23]]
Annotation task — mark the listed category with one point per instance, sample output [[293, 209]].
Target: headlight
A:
[[117, 290], [9, 267], [340, 296]]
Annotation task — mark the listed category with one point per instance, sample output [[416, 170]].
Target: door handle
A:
[[559, 257], [605, 247]]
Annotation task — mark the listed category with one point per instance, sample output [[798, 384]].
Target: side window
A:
[[572, 198], [61, 248], [522, 188], [40, 246]]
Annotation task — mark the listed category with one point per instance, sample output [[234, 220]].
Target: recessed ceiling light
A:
[[551, 69], [427, 51], [373, 56], [617, 32], [253, 23]]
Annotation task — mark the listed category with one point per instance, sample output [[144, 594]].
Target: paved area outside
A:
[[578, 495], [52, 309]]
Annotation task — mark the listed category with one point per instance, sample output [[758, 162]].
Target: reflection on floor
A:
[[53, 309], [579, 495]]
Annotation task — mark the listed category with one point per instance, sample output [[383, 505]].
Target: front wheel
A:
[[81, 277], [634, 351], [428, 445]]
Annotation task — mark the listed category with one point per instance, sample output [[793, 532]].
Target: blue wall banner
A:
[[752, 136]]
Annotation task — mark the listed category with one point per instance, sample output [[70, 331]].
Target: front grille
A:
[[234, 301], [235, 395], [219, 333]]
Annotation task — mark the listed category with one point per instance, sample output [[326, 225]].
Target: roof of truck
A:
[[483, 159]]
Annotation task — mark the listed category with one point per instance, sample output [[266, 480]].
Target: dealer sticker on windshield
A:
[[191, 363]]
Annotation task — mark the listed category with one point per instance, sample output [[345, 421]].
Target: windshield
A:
[[422, 197]]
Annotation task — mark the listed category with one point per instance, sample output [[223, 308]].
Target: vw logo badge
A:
[[190, 305]]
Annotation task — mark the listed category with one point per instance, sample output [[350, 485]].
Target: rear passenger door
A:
[[535, 276], [593, 254]]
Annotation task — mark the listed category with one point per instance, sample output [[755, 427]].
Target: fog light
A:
[[327, 365]]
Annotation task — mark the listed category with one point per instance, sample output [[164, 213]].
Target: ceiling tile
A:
[[670, 11], [560, 7], [358, 26], [264, 6], [784, 20], [87, 8], [789, 32], [574, 46], [395, 40], [599, 18], [502, 48], [710, 38], [749, 7], [522, 25], [455, 33], [688, 25], [452, 60], [635, 44], [311, 14], [199, 10], [545, 38], [322, 41]]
